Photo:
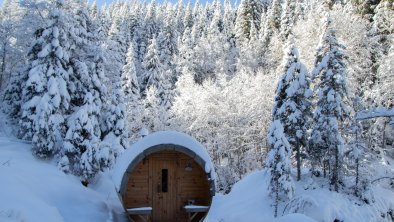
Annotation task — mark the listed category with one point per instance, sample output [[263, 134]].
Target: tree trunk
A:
[[298, 157], [357, 178], [2, 71], [335, 170]]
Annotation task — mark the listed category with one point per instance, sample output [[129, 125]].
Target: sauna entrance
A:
[[165, 176], [164, 187]]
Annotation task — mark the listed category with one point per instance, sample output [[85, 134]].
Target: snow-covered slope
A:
[[249, 201], [34, 190]]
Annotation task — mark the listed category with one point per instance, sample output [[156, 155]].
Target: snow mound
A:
[[32, 190], [157, 138], [249, 200]]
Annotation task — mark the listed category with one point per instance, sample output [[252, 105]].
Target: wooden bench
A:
[[142, 212], [193, 210]]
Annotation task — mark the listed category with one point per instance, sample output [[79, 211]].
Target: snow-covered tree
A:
[[288, 19], [292, 102], [80, 154], [116, 46], [155, 116], [152, 66], [278, 163], [45, 95], [332, 109], [129, 76], [13, 95], [131, 92], [383, 91], [116, 116]]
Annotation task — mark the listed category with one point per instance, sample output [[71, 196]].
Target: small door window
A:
[[164, 180]]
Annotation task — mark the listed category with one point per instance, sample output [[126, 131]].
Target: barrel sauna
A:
[[165, 177]]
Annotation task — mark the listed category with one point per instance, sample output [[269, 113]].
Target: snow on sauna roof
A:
[[159, 138]]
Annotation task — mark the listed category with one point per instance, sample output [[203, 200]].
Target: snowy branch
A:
[[375, 113]]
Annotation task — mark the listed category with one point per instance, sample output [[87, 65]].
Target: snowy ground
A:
[[35, 190], [249, 201]]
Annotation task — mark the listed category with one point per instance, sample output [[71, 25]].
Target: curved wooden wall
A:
[[144, 186]]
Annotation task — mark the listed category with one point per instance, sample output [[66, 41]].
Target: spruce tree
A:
[[13, 95], [80, 154], [152, 66], [116, 116], [131, 92], [45, 94], [292, 102], [278, 163], [332, 110], [287, 19]]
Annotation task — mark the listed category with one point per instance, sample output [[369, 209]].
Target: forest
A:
[[260, 83]]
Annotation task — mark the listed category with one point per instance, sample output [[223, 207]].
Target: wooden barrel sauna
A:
[[165, 177]]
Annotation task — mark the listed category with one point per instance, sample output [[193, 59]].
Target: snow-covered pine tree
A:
[[152, 66], [274, 16], [332, 109], [278, 163], [80, 154], [45, 94], [130, 84], [155, 116], [292, 101], [188, 18], [116, 50], [243, 23], [13, 95], [132, 95], [167, 42], [151, 26], [116, 116], [287, 19]]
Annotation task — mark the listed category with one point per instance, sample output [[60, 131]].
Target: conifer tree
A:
[[287, 19], [80, 154], [130, 84], [116, 117], [279, 165], [243, 22], [188, 18], [152, 66], [331, 112], [45, 95], [292, 102], [116, 50], [13, 95]]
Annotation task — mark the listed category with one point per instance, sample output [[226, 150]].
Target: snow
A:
[[374, 113], [140, 209], [157, 138], [249, 201], [32, 190], [195, 207]]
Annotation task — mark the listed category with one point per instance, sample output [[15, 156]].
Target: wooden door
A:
[[164, 188]]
